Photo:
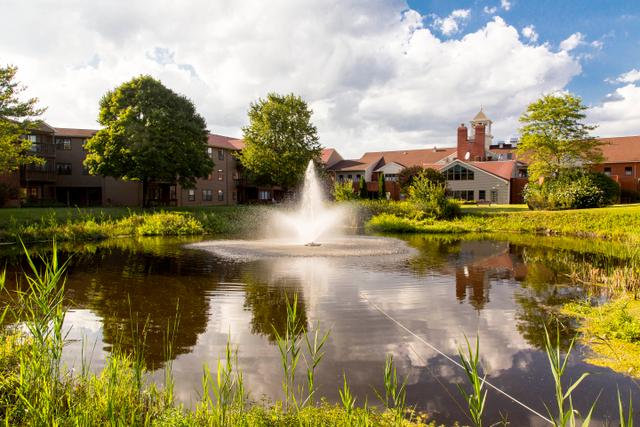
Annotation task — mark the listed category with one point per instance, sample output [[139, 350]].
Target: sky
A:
[[378, 74]]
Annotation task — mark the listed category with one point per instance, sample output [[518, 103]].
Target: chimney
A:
[[478, 149], [463, 137]]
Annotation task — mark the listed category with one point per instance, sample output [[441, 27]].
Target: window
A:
[[63, 144], [462, 194], [220, 175], [85, 169], [482, 195], [509, 156], [391, 177], [607, 171], [494, 196], [32, 192], [459, 173], [628, 171], [63, 168], [349, 177], [207, 195], [220, 154], [220, 195], [210, 152], [191, 195], [264, 195], [36, 143], [341, 178], [358, 178]]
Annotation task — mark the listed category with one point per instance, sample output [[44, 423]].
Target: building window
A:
[[391, 177], [459, 173], [220, 175], [85, 169], [494, 196], [349, 177], [36, 143], [220, 154], [462, 195], [207, 195], [482, 195], [32, 192], [509, 156], [264, 195], [63, 168], [220, 195], [63, 144], [210, 152], [628, 171], [607, 171], [358, 178], [191, 195]]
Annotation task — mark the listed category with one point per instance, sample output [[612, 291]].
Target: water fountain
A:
[[313, 229]]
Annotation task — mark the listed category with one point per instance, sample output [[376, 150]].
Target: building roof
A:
[[502, 169], [220, 141], [80, 133], [349, 165], [622, 149], [481, 116]]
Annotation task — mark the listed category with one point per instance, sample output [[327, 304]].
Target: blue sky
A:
[[378, 74], [613, 23]]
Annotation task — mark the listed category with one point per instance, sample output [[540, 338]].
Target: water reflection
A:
[[503, 291]]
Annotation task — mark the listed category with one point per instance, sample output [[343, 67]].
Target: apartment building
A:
[[63, 178]]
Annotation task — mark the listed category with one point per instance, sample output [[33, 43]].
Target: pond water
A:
[[442, 290]]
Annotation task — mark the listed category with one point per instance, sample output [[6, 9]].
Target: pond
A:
[[501, 289]]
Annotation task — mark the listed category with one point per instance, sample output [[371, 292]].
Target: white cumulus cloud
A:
[[572, 42], [453, 23], [505, 4], [530, 33], [619, 114], [374, 74]]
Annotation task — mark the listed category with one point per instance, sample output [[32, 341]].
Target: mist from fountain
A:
[[313, 219]]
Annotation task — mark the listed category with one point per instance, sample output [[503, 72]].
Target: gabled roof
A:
[[79, 133], [501, 169], [220, 141], [390, 168], [349, 165], [622, 149]]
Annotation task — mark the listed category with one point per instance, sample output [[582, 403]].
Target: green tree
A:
[[150, 134], [280, 140], [554, 138], [17, 119], [343, 191], [382, 194], [364, 193]]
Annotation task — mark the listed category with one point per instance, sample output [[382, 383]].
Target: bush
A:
[[343, 191], [431, 198], [7, 192], [160, 224], [575, 189]]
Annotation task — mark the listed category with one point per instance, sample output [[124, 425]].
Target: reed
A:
[[477, 398]]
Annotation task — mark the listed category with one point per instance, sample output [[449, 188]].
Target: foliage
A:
[[280, 140], [566, 414], [150, 134], [382, 194], [612, 331], [343, 191], [407, 175], [477, 398], [160, 224], [432, 199], [553, 137], [576, 189], [7, 192], [17, 119], [362, 185]]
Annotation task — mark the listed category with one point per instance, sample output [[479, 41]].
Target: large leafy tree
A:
[[554, 137], [17, 119], [280, 140], [150, 134]]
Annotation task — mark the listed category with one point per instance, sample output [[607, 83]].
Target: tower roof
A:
[[481, 117]]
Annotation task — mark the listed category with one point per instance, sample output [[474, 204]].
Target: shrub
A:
[[160, 224], [431, 198], [364, 193], [575, 189], [7, 192], [343, 191]]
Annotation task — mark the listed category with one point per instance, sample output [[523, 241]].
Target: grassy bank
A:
[[620, 222], [64, 224]]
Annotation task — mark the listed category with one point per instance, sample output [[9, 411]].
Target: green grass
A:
[[619, 223], [74, 224], [612, 331]]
